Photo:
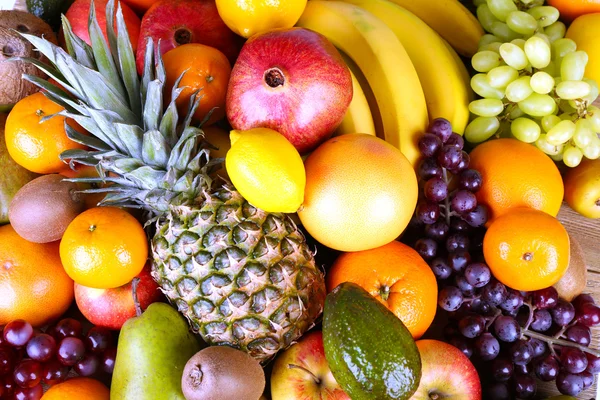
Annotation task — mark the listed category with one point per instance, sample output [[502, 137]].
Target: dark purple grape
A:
[[427, 248], [429, 168], [502, 369], [108, 360], [481, 307], [498, 391], [525, 386], [547, 368], [569, 384], [512, 302], [463, 201], [437, 231], [471, 326], [478, 274], [588, 315], [579, 334], [471, 180], [542, 321], [581, 300], [588, 379], [28, 373], [449, 157], [435, 190], [455, 140], [478, 217], [463, 345], [450, 298], [41, 347], [8, 386], [494, 293], [70, 350], [593, 364], [88, 365], [34, 393], [465, 287], [545, 298], [429, 144], [539, 348], [7, 360], [99, 339], [67, 327], [507, 329], [458, 261], [440, 268], [487, 346], [428, 213], [563, 313], [573, 360], [457, 242], [523, 369], [458, 225], [442, 128], [18, 332], [521, 352], [465, 160], [54, 372]]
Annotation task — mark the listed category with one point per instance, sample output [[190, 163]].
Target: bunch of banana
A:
[[404, 72]]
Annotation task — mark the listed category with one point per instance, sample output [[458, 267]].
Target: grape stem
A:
[[559, 342], [530, 317]]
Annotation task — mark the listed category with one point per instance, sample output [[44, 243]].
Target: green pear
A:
[[152, 351], [561, 397]]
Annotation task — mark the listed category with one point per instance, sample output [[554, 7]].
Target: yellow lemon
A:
[[248, 17], [266, 169], [585, 31]]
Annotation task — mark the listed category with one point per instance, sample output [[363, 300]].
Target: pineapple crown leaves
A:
[[149, 157]]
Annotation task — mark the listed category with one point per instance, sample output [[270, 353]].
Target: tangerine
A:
[[571, 9], [516, 174], [33, 283], [76, 389], [397, 276], [527, 249], [103, 248], [205, 69]]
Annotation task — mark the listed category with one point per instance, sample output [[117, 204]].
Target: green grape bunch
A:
[[531, 82]]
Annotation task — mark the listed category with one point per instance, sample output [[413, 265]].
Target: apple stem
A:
[[136, 301], [317, 380], [434, 396], [274, 77]]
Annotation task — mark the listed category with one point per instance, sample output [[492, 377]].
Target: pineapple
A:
[[241, 276]]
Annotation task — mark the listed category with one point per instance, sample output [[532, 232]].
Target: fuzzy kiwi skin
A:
[[222, 373], [41, 211], [574, 281]]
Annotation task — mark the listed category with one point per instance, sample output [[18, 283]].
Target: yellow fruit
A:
[[582, 188], [266, 169], [219, 146], [248, 17], [585, 31]]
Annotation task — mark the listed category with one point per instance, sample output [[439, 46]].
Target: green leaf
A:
[[128, 66], [53, 92], [193, 106], [47, 69], [76, 47], [110, 28], [168, 123], [148, 75], [153, 105], [126, 165], [131, 136], [85, 140], [146, 177], [155, 149]]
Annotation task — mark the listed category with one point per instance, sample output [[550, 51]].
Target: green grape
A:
[[548, 148], [557, 157], [571, 90], [583, 135], [561, 132], [513, 56], [572, 156], [550, 69], [594, 92], [592, 150], [568, 112], [593, 115], [556, 31], [485, 16], [562, 47], [538, 52], [544, 37], [572, 67], [538, 105], [481, 86], [486, 107], [542, 82], [501, 8], [549, 121], [519, 42], [515, 113], [500, 77], [495, 47], [485, 61], [522, 23], [544, 15], [519, 89], [487, 39], [501, 30], [481, 129], [525, 129]]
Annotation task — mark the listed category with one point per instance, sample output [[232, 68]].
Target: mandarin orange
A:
[[78, 389]]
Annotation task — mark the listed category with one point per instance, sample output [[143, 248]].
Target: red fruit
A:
[[18, 332], [28, 374], [588, 314]]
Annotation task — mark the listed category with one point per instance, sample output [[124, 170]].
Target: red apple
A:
[[177, 22], [140, 6], [78, 16], [293, 81], [446, 372], [110, 308], [302, 373]]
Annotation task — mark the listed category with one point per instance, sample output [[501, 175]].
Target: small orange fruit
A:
[[37, 145], [360, 193], [527, 249], [207, 70], [33, 283], [78, 389], [516, 174], [571, 9], [103, 248], [396, 275], [582, 188]]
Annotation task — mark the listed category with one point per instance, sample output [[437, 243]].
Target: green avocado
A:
[[49, 10], [369, 350]]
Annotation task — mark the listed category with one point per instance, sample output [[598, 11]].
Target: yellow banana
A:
[[445, 92], [451, 20], [358, 118], [462, 113], [386, 65]]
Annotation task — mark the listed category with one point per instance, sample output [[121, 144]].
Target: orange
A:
[[571, 9], [527, 249], [37, 145], [582, 188], [396, 275], [78, 389], [207, 70], [360, 193], [33, 283], [103, 248], [516, 174]]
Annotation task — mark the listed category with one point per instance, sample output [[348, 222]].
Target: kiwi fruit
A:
[[574, 281], [42, 209], [222, 373]]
